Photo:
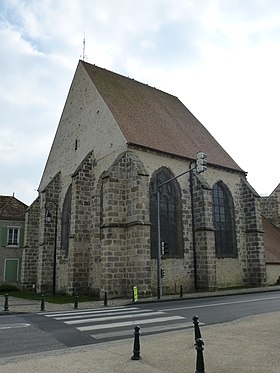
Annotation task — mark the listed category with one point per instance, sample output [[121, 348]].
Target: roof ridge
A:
[[127, 77]]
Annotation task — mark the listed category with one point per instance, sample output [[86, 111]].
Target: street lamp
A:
[[51, 209]]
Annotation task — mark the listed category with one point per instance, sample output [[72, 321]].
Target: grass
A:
[[58, 299]]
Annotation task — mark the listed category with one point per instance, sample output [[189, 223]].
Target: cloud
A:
[[219, 57]]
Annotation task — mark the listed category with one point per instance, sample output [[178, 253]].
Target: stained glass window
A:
[[170, 214], [66, 221], [223, 215]]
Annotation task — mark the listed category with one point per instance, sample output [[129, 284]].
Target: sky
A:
[[221, 58]]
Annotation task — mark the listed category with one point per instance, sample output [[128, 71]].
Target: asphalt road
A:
[[26, 333]]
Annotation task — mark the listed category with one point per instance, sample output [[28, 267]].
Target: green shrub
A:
[[6, 288]]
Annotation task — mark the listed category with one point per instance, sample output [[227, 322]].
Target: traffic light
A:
[[201, 162], [164, 248], [162, 272]]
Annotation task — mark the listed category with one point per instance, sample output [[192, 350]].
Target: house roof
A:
[[271, 241], [156, 120], [11, 208]]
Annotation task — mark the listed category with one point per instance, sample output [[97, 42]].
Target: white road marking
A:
[[82, 315], [70, 313], [144, 331], [219, 304], [98, 319], [128, 323], [14, 326]]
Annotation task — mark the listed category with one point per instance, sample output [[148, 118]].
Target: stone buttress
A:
[[203, 235], [254, 270], [125, 228]]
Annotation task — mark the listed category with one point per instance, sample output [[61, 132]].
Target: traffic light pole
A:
[[159, 280]]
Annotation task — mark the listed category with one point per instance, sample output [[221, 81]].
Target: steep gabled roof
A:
[[11, 208], [277, 189], [271, 241], [156, 120]]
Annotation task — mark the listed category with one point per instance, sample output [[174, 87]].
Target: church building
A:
[[94, 225]]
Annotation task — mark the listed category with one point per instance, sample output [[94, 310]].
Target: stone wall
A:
[[270, 208], [85, 124], [31, 245], [254, 262], [80, 245], [49, 235], [273, 273], [204, 239], [125, 239], [109, 243]]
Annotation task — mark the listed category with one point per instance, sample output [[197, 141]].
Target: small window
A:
[[13, 236]]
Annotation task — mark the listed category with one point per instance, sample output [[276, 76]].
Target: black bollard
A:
[[105, 299], [42, 302], [199, 356], [6, 304], [181, 291], [76, 300], [197, 333], [136, 346]]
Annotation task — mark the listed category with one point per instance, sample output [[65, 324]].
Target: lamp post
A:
[[159, 282], [51, 209]]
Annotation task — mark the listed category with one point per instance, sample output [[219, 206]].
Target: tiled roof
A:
[[271, 242], [156, 120], [11, 208]]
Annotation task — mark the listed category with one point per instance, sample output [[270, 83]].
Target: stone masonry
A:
[[204, 239], [30, 252], [254, 269], [125, 237], [270, 207], [109, 241]]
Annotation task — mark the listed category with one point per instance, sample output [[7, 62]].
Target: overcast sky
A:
[[221, 58]]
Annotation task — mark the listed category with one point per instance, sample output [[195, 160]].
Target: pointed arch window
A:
[[66, 221], [223, 216], [170, 214]]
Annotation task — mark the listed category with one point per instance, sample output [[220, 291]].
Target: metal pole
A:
[[42, 302], [105, 299], [54, 254], [159, 283], [136, 345], [199, 356], [6, 304], [193, 231], [76, 300], [197, 333]]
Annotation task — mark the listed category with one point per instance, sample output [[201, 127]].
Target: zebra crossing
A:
[[118, 322]]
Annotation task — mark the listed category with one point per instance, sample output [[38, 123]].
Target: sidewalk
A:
[[18, 305], [250, 344]]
